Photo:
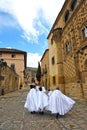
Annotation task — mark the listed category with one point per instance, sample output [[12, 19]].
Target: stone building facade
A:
[[9, 79], [45, 69], [16, 60], [67, 41], [30, 75]]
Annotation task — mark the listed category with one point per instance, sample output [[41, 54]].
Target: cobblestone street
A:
[[13, 115]]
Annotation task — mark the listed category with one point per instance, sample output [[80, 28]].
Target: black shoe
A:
[[57, 115], [42, 112], [31, 112]]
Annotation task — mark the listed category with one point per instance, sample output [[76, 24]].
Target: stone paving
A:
[[13, 115]]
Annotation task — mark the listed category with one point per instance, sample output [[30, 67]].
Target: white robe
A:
[[60, 103], [49, 93], [45, 97], [42, 100], [31, 101]]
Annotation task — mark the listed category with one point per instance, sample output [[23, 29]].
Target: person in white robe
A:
[[42, 100], [45, 97], [31, 100], [59, 103], [37, 88], [49, 93]]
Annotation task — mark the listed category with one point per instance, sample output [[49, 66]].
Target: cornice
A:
[[58, 16]]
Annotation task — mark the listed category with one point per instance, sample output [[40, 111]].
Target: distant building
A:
[[16, 60], [30, 75], [45, 69], [67, 43], [9, 79]]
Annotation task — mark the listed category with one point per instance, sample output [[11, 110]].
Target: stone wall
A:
[[9, 80], [45, 70], [74, 90], [73, 61], [30, 74], [15, 59], [70, 68]]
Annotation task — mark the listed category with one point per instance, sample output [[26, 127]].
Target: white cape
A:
[[60, 103], [31, 101], [42, 100]]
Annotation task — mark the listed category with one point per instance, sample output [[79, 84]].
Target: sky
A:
[[25, 25]]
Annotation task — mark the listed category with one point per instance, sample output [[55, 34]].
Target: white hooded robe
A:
[[60, 103], [31, 101]]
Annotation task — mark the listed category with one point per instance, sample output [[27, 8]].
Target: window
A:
[[13, 55], [32, 80], [68, 47], [53, 60], [54, 80], [67, 15], [45, 69], [73, 5], [1, 77], [13, 66], [85, 65], [51, 40], [15, 78], [84, 32], [0, 54]]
